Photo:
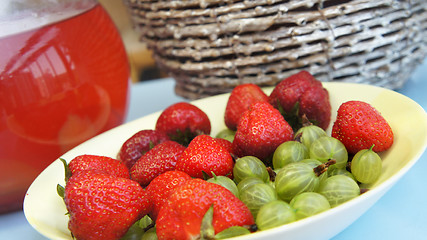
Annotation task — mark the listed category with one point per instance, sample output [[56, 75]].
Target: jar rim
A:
[[23, 15]]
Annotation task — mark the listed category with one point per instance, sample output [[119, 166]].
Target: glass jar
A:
[[64, 78]]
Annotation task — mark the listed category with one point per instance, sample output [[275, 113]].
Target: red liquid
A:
[[59, 86]]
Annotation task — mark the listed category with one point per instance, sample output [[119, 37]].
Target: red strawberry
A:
[[359, 126], [260, 131], [183, 121], [204, 154], [241, 98], [137, 145], [224, 143], [161, 187], [94, 162], [181, 216], [302, 94], [102, 206], [163, 157]]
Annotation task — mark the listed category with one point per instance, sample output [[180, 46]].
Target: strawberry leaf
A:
[[183, 137], [66, 169], [60, 190], [205, 175], [207, 231], [135, 232], [146, 223], [150, 146], [232, 232], [292, 117]]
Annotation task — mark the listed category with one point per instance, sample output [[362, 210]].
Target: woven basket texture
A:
[[211, 46]]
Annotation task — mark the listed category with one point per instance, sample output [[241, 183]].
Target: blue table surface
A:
[[400, 214]]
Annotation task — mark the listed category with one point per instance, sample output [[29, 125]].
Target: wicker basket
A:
[[210, 46]]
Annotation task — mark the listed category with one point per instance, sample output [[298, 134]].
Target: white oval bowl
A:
[[45, 210]]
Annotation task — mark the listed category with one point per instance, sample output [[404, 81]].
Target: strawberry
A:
[[241, 98], [359, 126], [183, 121], [138, 144], [161, 187], [205, 154], [181, 216], [301, 94], [94, 162], [225, 144], [163, 157], [102, 206], [260, 131]]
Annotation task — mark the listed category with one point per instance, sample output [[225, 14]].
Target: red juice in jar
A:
[[60, 84]]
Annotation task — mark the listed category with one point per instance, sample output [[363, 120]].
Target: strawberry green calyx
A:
[[292, 116], [207, 231], [232, 232], [184, 137], [67, 171], [60, 190], [206, 176]]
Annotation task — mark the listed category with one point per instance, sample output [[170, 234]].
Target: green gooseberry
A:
[[288, 152], [307, 204], [308, 134], [250, 166], [339, 189], [273, 214], [257, 195]]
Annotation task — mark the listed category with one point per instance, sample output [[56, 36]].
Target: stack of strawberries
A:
[[161, 172]]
